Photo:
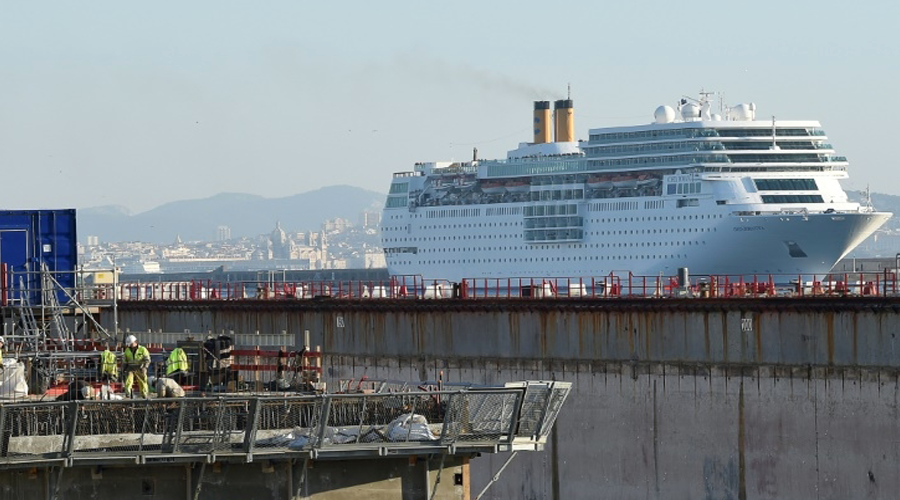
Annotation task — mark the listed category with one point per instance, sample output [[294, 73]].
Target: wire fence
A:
[[136, 431]]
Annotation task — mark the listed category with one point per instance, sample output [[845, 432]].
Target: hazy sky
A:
[[141, 103]]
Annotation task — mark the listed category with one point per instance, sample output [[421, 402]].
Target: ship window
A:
[[786, 184], [792, 198]]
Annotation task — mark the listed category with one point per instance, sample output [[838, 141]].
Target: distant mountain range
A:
[[246, 214]]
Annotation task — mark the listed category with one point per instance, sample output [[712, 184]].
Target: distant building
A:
[[282, 246], [223, 233], [375, 259], [93, 241], [370, 220], [336, 225]]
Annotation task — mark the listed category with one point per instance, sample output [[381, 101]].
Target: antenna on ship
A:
[[774, 143]]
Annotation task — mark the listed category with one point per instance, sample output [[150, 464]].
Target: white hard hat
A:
[[2, 340], [87, 392], [131, 339]]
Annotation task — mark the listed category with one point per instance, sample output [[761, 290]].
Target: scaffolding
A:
[[52, 328]]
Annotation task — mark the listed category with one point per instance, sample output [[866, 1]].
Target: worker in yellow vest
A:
[[109, 369], [137, 360], [177, 365]]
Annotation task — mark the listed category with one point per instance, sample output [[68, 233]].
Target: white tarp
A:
[[12, 380], [409, 427]]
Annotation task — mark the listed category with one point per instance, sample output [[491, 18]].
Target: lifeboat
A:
[[520, 186], [624, 182], [493, 187], [599, 182], [646, 180]]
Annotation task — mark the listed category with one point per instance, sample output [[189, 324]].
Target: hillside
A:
[[246, 215]]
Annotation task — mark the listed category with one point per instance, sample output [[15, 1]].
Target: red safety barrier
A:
[[613, 285]]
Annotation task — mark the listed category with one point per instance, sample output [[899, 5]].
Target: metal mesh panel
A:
[[383, 418], [480, 416], [558, 396], [533, 409], [288, 423], [31, 432], [206, 425], [118, 427]]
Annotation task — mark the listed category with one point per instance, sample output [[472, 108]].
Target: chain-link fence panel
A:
[[540, 407], [117, 427], [375, 419], [532, 412], [481, 416], [31, 432], [289, 423], [207, 425], [558, 394]]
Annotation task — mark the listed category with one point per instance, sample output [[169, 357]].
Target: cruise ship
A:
[[719, 193]]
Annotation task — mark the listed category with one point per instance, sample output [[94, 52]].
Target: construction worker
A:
[[109, 370], [2, 344], [177, 365], [168, 388], [78, 390], [137, 360]]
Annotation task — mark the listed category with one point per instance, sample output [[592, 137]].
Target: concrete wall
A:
[[382, 479], [755, 399], [656, 431]]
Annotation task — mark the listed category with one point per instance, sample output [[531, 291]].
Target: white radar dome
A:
[[690, 112], [664, 114], [743, 112]]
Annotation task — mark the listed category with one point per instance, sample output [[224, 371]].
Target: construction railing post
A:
[[514, 418], [4, 436], [71, 427], [252, 425], [323, 421]]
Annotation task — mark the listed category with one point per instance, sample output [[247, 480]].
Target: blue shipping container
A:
[[31, 238]]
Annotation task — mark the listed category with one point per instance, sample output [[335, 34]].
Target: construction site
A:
[[256, 418]]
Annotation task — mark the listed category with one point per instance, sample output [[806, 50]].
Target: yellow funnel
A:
[[542, 122], [565, 120]]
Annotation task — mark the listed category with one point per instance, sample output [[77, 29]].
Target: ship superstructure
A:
[[718, 193]]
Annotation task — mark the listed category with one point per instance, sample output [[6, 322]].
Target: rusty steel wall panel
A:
[[783, 332]]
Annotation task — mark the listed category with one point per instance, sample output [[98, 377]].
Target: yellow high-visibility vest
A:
[[177, 361], [137, 357], [108, 363]]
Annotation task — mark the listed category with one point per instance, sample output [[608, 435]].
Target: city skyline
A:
[[138, 105]]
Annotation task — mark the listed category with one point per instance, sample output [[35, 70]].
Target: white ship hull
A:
[[709, 244]]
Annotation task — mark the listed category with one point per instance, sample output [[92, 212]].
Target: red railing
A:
[[613, 285]]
